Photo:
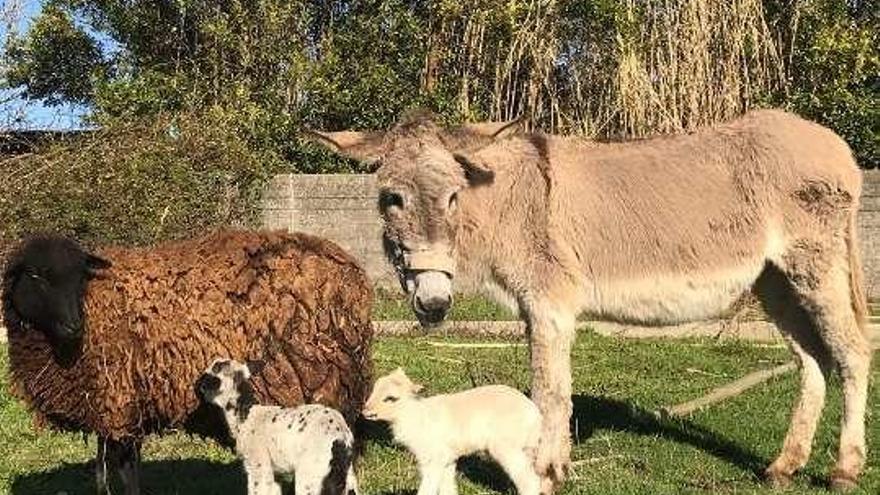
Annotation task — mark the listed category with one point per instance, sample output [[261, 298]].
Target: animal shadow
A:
[[191, 476], [601, 413]]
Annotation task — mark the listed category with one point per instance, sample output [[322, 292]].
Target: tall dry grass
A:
[[670, 65]]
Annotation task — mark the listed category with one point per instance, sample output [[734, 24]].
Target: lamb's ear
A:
[[417, 388], [362, 146], [95, 263], [496, 130], [476, 170], [255, 366]]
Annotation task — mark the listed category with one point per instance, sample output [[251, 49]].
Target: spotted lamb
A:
[[311, 442], [438, 430]]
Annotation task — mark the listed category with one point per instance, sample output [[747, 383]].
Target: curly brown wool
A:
[[159, 315]]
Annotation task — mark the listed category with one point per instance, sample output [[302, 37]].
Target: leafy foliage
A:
[[136, 181], [265, 69], [55, 60]]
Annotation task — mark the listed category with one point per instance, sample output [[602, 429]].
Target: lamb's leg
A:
[[447, 485], [551, 334], [261, 479], [351, 484], [432, 477], [102, 459], [518, 466]]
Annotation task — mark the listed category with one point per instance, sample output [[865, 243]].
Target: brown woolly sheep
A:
[[114, 344]]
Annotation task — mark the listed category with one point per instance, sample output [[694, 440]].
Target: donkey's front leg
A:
[[551, 334]]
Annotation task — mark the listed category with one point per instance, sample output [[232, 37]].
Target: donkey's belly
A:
[[670, 299]]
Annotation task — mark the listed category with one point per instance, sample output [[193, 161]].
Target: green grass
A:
[[620, 447]]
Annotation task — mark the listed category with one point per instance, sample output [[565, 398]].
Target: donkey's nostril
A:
[[433, 304]]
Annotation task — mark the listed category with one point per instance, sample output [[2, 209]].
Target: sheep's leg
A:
[[101, 461], [447, 485], [518, 466], [432, 476], [128, 455], [551, 334]]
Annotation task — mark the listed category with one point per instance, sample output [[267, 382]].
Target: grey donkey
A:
[[657, 231]]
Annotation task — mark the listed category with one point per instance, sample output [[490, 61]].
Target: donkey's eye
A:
[[387, 199], [453, 201], [390, 398]]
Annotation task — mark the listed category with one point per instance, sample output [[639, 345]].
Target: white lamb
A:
[[438, 430], [312, 442]]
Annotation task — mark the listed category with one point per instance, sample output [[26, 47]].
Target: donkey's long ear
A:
[[495, 130], [362, 146], [476, 170]]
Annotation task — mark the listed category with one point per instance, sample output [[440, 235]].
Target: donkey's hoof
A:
[[843, 483], [776, 479]]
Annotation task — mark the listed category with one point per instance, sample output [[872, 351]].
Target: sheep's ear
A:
[[255, 366], [95, 263], [416, 388]]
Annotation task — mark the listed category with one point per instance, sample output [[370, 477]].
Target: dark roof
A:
[[21, 142]]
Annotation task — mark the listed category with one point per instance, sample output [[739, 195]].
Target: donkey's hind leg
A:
[[781, 304], [820, 276]]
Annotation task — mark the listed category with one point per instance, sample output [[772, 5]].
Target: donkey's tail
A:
[[856, 277]]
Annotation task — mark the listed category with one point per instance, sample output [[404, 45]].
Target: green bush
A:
[[137, 181]]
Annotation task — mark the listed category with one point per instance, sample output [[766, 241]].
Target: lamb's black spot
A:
[[275, 418], [246, 398], [289, 426], [302, 427]]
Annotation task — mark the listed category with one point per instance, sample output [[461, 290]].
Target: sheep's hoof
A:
[[842, 482], [777, 479]]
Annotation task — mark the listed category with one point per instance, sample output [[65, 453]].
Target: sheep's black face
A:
[[44, 286]]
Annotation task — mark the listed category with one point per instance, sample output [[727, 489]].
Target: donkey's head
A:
[[421, 168]]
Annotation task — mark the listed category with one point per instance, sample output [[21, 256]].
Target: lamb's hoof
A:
[[776, 479], [547, 486], [842, 482]]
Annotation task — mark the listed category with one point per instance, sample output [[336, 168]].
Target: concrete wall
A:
[[869, 226], [340, 207], [343, 208]]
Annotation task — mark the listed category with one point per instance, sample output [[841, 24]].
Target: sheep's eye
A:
[[390, 399], [387, 199], [453, 201]]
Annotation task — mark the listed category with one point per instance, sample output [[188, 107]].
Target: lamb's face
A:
[[388, 393], [226, 384]]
